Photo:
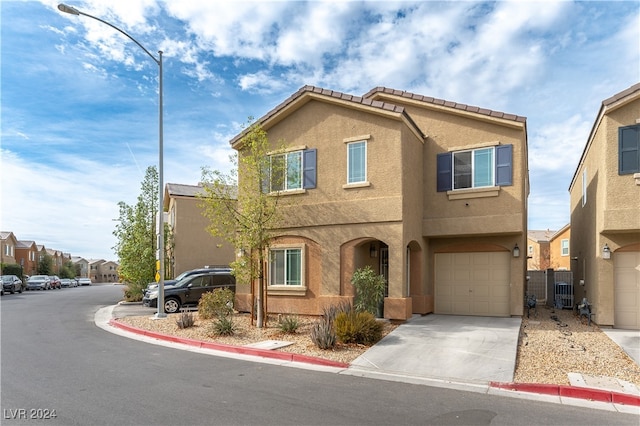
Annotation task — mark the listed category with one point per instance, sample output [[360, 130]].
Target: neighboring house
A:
[[93, 265], [193, 247], [538, 250], [431, 194], [56, 260], [605, 213], [8, 243], [82, 266], [27, 256], [559, 248], [106, 272]]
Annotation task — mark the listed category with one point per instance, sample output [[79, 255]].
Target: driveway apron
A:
[[447, 347]]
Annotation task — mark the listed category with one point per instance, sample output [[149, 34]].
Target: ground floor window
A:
[[285, 266]]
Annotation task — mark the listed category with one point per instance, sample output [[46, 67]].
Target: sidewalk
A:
[[403, 356]]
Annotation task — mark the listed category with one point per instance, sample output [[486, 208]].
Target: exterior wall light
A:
[[516, 251], [606, 252]]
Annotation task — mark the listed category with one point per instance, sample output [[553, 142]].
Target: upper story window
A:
[[292, 170], [285, 267], [8, 250], [629, 149], [357, 162], [564, 247], [475, 168], [530, 249]]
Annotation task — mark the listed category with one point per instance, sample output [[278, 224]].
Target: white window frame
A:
[[473, 152], [349, 174], [286, 184], [564, 247], [285, 249]]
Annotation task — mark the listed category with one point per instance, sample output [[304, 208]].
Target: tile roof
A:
[[621, 95], [444, 103], [540, 236], [385, 106], [184, 190]]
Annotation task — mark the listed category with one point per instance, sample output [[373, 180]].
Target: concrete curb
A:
[[588, 394], [264, 353], [591, 394]]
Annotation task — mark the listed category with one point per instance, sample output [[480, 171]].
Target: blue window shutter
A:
[[504, 165], [445, 171], [629, 150], [309, 168]]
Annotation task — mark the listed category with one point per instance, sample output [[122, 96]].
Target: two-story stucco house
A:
[[432, 194], [193, 247], [605, 213], [8, 242], [560, 249], [27, 256]]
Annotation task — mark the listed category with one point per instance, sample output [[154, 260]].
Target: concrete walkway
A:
[[628, 340]]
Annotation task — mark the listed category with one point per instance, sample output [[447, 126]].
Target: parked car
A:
[[152, 286], [84, 281], [39, 282], [55, 282], [65, 283], [188, 290], [11, 283]]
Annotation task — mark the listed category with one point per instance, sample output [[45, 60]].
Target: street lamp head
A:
[[68, 9]]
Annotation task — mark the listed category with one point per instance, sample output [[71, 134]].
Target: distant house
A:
[[94, 265], [27, 256], [429, 193], [82, 266], [107, 272], [193, 247], [605, 213], [538, 250], [8, 243], [560, 249]]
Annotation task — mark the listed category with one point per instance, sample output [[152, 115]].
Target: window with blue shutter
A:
[[476, 168], [629, 150], [291, 171]]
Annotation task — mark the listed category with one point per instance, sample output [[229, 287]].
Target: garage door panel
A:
[[472, 283]]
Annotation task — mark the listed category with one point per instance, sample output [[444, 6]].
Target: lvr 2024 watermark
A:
[[28, 414]]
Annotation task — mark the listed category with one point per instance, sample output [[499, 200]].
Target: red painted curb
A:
[[244, 350], [571, 392]]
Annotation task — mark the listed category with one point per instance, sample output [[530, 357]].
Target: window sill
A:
[[286, 290], [463, 194], [285, 193], [356, 185]]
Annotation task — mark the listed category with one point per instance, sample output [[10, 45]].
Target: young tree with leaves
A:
[[243, 208], [136, 234]]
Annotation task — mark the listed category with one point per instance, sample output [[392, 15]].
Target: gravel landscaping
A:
[[552, 344]]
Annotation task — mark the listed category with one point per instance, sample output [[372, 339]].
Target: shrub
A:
[[185, 320], [323, 334], [216, 304], [223, 326], [131, 294], [289, 324], [369, 289], [331, 312], [358, 327]]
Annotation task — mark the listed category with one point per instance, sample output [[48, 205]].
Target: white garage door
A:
[[472, 283], [627, 290]]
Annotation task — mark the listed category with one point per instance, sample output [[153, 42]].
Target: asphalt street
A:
[[54, 359]]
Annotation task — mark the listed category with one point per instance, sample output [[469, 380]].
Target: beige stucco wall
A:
[[610, 216], [194, 246], [398, 208], [558, 260]]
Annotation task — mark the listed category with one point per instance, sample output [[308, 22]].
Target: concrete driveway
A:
[[447, 347]]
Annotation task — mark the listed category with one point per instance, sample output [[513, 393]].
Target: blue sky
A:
[[80, 102]]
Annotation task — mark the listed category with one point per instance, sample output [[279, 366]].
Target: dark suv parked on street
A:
[[154, 286], [188, 290]]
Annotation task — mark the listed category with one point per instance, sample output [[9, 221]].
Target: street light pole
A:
[[160, 221]]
